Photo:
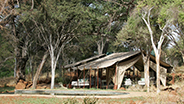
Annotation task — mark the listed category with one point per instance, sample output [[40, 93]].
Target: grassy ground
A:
[[165, 97], [5, 89], [38, 100]]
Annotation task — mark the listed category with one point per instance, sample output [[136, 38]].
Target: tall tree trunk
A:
[[106, 47], [15, 68], [146, 71], [158, 74], [60, 68], [21, 63], [31, 67], [39, 70], [100, 45], [22, 58], [53, 72], [157, 49], [182, 53], [53, 66]]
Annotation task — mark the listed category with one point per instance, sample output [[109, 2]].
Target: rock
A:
[[173, 92], [122, 88], [131, 102], [44, 87], [38, 87], [11, 83], [20, 85], [25, 82], [41, 87], [10, 91], [140, 102], [29, 85], [22, 81], [30, 82]]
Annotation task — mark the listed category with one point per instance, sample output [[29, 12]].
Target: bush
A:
[[64, 80], [88, 100], [71, 101]]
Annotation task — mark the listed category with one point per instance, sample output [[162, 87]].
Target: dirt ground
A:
[[141, 98], [175, 96]]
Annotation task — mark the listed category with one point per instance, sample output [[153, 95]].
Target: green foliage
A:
[[88, 100], [71, 101], [5, 88], [181, 17], [64, 80], [6, 57], [173, 56], [134, 34]]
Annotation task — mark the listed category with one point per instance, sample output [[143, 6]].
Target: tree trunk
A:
[[158, 73], [31, 67], [60, 68], [157, 49], [39, 70], [100, 45], [53, 67], [182, 53], [22, 58], [146, 72], [15, 68], [106, 47], [53, 74], [100, 49]]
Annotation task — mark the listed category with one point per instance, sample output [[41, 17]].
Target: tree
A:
[[6, 56], [175, 28], [135, 35], [105, 16], [157, 29], [57, 29], [157, 49], [165, 27], [19, 39]]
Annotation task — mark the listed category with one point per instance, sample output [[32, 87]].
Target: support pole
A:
[[84, 77], [90, 77], [78, 78], [115, 85], [101, 78], [107, 78], [97, 78], [134, 73], [71, 74]]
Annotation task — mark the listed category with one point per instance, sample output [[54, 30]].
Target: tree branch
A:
[[3, 6], [32, 5]]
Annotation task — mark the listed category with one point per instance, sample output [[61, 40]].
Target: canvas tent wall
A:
[[122, 61]]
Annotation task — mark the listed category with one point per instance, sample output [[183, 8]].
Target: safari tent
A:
[[116, 65]]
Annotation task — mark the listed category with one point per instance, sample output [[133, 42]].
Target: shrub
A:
[[71, 101], [88, 100], [64, 80]]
